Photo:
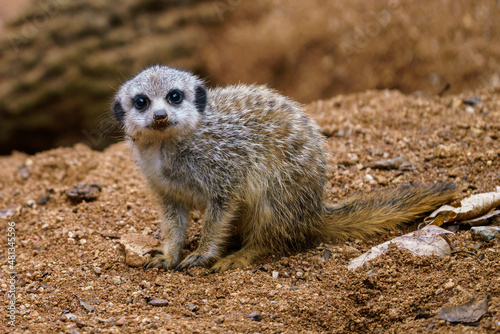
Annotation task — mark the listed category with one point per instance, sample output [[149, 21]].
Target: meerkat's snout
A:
[[160, 119], [160, 115]]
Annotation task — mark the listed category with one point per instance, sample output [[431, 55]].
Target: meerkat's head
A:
[[160, 102]]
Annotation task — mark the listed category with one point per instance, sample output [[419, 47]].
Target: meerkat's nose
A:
[[160, 115]]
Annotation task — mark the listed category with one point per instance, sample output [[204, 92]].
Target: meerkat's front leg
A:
[[216, 230], [174, 224]]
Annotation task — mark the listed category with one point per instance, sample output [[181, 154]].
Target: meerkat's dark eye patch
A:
[[141, 102], [200, 99], [119, 112], [175, 96]]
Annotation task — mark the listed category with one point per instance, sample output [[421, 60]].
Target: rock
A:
[[448, 285], [192, 307], [381, 180], [352, 159], [24, 172], [7, 213], [43, 200], [275, 274], [255, 316], [446, 151], [70, 316], [369, 179], [121, 321], [105, 321], [83, 192], [219, 320], [472, 101], [158, 302], [486, 233], [327, 254], [135, 245]]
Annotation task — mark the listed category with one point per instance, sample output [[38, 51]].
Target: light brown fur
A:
[[254, 163]]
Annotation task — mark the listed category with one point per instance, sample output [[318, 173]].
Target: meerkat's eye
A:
[[175, 96], [141, 102]]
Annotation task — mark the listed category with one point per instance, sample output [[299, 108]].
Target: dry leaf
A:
[[470, 208], [427, 241], [469, 312], [85, 305], [484, 220]]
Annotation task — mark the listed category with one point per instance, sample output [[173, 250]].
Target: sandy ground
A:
[[72, 278], [57, 55]]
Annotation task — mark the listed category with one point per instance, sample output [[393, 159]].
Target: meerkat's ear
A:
[[200, 99], [118, 112]]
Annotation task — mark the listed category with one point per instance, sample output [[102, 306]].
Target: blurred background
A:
[[61, 61]]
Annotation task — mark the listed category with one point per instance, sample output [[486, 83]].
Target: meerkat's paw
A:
[[232, 261], [160, 260], [194, 259]]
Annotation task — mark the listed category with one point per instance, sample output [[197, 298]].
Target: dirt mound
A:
[[71, 275], [62, 60]]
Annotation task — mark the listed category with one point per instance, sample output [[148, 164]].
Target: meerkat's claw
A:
[[193, 260], [159, 260]]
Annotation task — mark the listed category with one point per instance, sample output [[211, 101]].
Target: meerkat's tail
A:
[[362, 215]]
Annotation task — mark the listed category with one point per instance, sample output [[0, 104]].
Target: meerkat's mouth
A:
[[161, 126]]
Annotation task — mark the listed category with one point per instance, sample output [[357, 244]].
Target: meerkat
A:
[[253, 162]]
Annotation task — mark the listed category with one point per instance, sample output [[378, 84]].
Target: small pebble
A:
[[7, 213], [83, 192], [192, 307], [121, 321], [24, 172], [275, 274], [43, 200], [485, 233], [70, 316], [255, 316], [449, 285], [219, 320], [327, 254], [135, 245], [159, 302]]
